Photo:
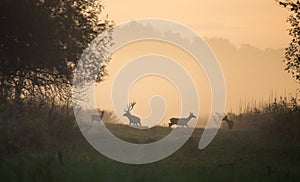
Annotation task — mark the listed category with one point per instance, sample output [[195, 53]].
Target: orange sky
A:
[[251, 73], [261, 23]]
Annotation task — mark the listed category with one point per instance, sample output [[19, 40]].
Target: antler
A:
[[130, 106], [127, 109]]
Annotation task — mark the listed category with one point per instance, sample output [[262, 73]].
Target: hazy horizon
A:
[[252, 76], [261, 23], [247, 37]]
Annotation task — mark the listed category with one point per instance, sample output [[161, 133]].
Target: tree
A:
[[292, 53], [40, 43]]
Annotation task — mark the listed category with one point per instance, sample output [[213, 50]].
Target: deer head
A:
[[225, 118], [192, 115]]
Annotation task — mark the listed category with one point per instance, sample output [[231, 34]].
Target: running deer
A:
[[96, 117], [181, 121], [132, 119], [229, 122]]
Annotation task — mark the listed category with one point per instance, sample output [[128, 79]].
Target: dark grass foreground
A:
[[49, 147], [233, 155]]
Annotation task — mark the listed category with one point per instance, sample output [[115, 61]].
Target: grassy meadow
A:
[[43, 143]]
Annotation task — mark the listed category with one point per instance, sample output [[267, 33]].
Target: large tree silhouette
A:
[[40, 43], [292, 53]]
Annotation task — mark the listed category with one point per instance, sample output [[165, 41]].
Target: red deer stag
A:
[[132, 119], [181, 121]]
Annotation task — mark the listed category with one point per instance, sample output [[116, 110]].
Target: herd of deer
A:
[[134, 120]]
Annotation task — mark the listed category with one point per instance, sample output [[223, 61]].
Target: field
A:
[[56, 151]]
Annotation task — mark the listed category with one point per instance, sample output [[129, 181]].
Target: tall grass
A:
[[42, 142], [35, 127], [279, 118]]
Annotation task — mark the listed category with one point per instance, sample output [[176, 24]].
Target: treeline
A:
[[40, 44]]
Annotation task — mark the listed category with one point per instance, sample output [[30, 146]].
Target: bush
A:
[[35, 127], [279, 119]]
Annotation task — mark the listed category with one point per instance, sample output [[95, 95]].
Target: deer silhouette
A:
[[132, 118], [230, 123], [96, 117], [181, 121]]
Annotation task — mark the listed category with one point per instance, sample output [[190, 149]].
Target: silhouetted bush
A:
[[36, 127], [279, 119]]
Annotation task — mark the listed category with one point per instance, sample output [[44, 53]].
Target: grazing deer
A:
[[181, 121], [96, 117], [132, 119], [229, 122]]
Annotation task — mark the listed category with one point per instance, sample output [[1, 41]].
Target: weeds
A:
[[279, 119], [42, 142]]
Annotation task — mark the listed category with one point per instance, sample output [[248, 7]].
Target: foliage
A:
[[278, 119], [42, 142], [292, 53], [41, 41], [34, 127]]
